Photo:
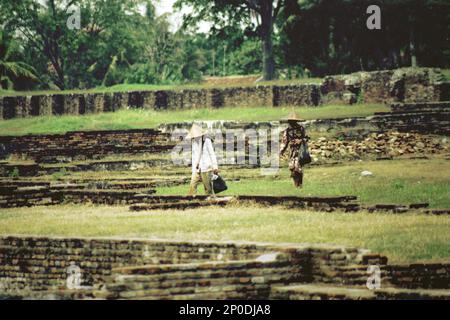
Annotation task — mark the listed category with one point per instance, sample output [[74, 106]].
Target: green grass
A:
[[446, 73], [407, 237], [151, 87], [394, 182], [402, 237], [141, 118], [116, 88]]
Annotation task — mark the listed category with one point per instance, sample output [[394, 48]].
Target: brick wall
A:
[[40, 263], [402, 85], [426, 275], [246, 279], [138, 268], [420, 275], [86, 144]]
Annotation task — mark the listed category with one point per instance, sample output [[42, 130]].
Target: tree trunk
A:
[[58, 68], [412, 50], [54, 51], [60, 80], [266, 37], [331, 46], [412, 43]]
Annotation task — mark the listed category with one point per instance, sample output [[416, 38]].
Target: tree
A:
[[10, 67], [331, 36], [112, 39], [194, 60], [259, 15], [427, 23], [40, 25], [105, 31]]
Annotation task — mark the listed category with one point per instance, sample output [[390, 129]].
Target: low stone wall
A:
[[320, 291], [257, 96], [148, 200], [81, 145], [426, 117], [41, 263], [297, 95], [401, 85], [31, 170], [420, 275], [12, 196], [164, 269], [247, 279], [433, 275]]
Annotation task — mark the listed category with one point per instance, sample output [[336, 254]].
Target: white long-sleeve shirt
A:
[[207, 161]]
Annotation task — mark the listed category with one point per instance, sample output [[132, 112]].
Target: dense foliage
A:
[[124, 41]]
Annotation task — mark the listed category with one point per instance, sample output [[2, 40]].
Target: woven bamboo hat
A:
[[195, 132], [293, 116]]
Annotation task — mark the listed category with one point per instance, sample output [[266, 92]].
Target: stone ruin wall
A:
[[225, 270], [402, 85], [81, 145], [40, 263], [407, 85]]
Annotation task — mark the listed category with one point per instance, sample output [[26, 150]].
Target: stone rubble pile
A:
[[389, 144]]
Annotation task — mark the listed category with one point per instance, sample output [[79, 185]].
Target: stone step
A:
[[181, 205], [249, 277], [183, 202], [87, 144], [412, 294], [328, 292], [405, 107], [319, 292]]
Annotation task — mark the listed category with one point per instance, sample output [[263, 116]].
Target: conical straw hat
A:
[[293, 117], [195, 132]]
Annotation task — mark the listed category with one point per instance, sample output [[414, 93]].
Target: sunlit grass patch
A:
[[124, 87], [395, 182], [144, 118], [406, 237]]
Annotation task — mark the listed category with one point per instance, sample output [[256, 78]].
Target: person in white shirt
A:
[[204, 161]]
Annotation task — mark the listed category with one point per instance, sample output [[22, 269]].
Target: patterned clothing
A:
[[293, 136]]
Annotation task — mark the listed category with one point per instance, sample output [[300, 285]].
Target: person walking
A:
[[292, 139], [204, 161]]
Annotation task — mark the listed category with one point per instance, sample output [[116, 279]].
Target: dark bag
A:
[[219, 185], [303, 156]]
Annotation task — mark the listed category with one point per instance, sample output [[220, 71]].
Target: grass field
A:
[[151, 87], [407, 237], [394, 182], [141, 118], [446, 73], [403, 238]]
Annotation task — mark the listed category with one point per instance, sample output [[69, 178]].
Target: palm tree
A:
[[10, 68]]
